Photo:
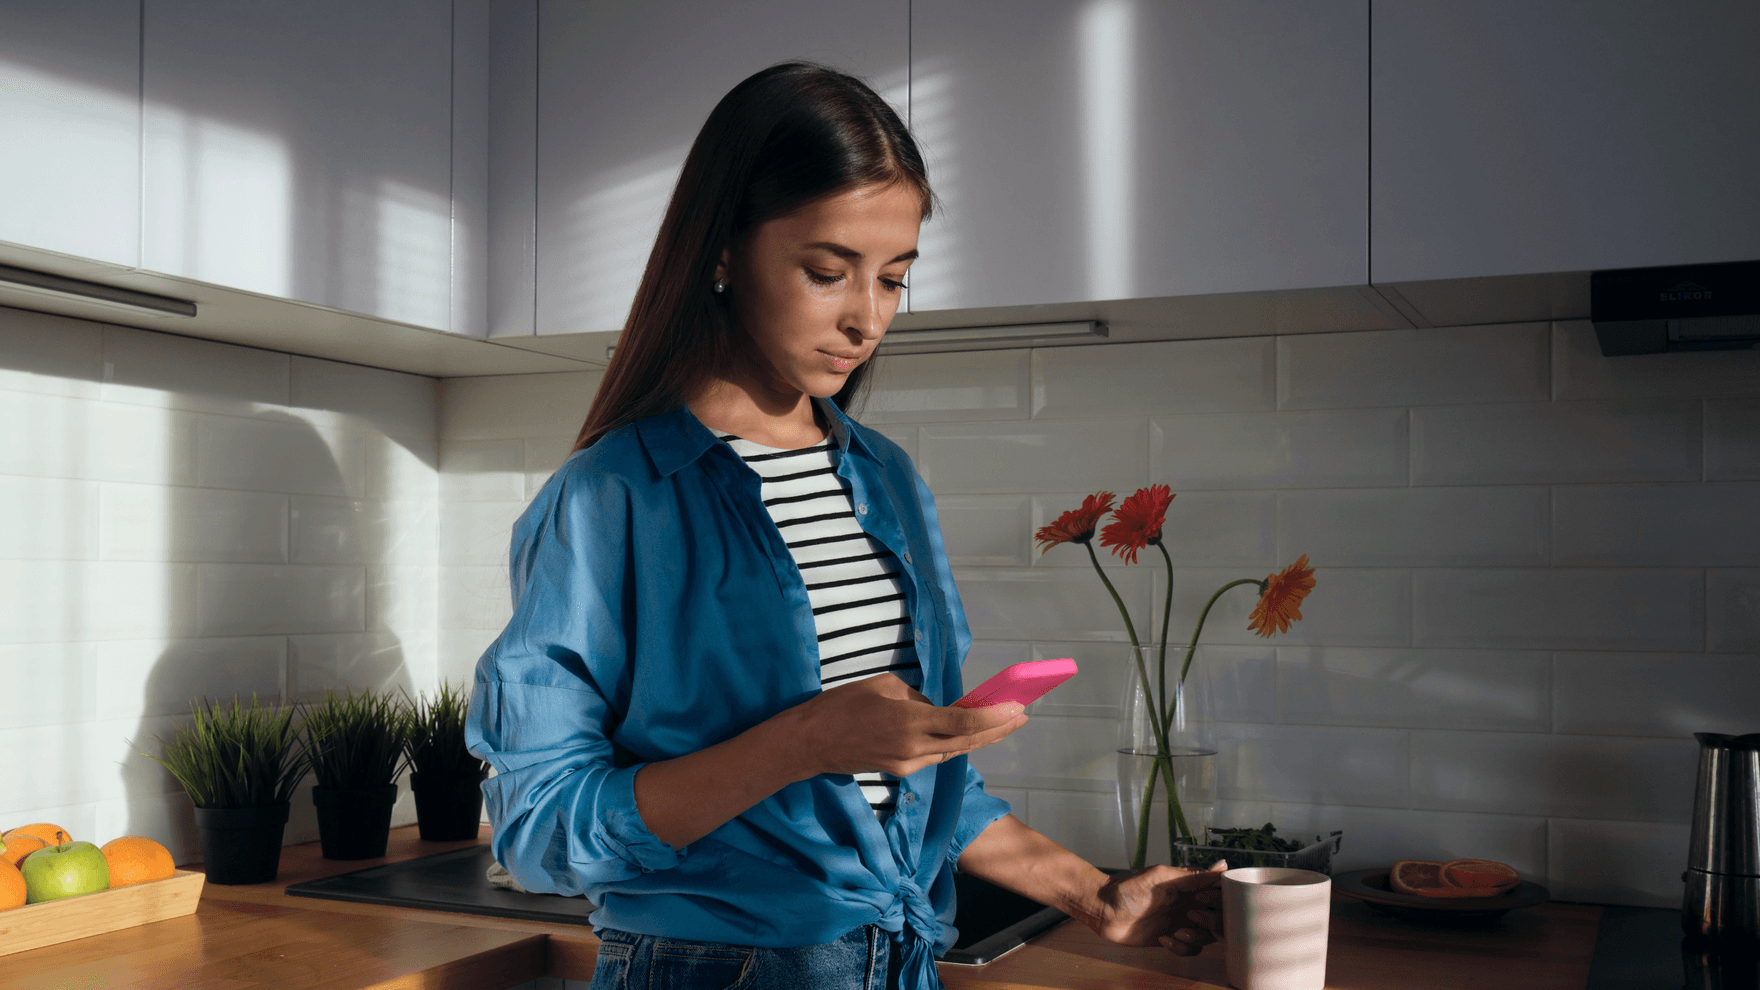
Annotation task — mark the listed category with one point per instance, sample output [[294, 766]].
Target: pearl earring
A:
[[719, 285]]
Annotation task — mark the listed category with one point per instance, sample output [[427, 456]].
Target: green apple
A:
[[65, 870]]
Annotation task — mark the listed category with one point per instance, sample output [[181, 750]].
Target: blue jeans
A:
[[627, 961]]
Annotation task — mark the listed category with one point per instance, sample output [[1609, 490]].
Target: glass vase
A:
[[1145, 768]]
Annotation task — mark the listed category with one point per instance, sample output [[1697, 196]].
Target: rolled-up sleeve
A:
[[550, 691]]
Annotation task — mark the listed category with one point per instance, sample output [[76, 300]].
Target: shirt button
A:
[[907, 557], [910, 799], [919, 635], [862, 510]]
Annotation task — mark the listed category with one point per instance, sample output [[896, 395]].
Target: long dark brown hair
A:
[[782, 139]]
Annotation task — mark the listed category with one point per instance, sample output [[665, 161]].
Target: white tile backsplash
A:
[[259, 599], [977, 385], [142, 367], [1560, 609], [279, 452], [1732, 606], [154, 522], [1671, 695], [1050, 603], [1657, 525], [48, 518], [1506, 660], [1732, 439], [1160, 378], [1617, 862], [1346, 608], [510, 407], [1505, 691], [1581, 372], [158, 487], [1556, 776], [1504, 363], [1350, 449], [995, 458], [50, 355], [1416, 527], [389, 403], [987, 530], [1635, 440], [1203, 529], [1313, 765]]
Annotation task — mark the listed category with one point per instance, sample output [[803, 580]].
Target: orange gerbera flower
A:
[[1281, 601], [1137, 523], [1076, 525]]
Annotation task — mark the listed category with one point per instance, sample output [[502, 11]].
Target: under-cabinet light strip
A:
[[73, 289]]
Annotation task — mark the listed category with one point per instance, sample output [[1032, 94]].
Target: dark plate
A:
[[1371, 887]]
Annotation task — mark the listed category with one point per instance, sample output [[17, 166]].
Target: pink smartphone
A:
[[1022, 683]]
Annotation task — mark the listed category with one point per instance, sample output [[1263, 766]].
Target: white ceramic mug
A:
[[1274, 927]]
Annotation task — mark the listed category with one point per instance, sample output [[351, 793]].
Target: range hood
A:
[[1678, 308]]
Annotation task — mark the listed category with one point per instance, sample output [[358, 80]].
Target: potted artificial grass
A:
[[240, 765], [354, 746], [446, 778]]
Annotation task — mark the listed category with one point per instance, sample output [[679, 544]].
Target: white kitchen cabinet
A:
[[1515, 136], [623, 88], [1112, 149], [513, 165], [70, 127], [303, 150]]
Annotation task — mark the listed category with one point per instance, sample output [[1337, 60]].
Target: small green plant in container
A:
[[355, 747], [240, 764], [446, 778]]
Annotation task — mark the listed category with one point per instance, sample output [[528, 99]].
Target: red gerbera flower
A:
[[1281, 601], [1137, 523], [1076, 525]]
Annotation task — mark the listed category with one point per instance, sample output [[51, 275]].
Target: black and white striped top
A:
[[853, 582]]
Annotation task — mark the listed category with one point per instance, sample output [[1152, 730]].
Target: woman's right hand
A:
[[881, 723]]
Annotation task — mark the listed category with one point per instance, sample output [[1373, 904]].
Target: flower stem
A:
[[1129, 627], [1156, 723], [1193, 648]]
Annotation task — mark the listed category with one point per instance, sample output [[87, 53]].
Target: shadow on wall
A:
[[262, 625]]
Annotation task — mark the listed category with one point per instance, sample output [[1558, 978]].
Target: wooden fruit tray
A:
[[35, 925]]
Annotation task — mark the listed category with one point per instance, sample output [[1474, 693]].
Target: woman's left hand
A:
[[1165, 905]]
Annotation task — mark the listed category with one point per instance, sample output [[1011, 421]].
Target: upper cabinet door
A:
[[1515, 136], [1112, 149], [303, 150], [623, 88], [70, 124]]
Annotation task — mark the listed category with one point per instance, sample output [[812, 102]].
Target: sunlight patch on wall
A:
[[614, 225], [69, 160], [935, 278], [1107, 147], [218, 202], [413, 232]]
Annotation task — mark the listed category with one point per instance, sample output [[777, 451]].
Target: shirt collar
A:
[[677, 438]]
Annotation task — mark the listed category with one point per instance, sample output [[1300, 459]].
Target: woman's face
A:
[[815, 291]]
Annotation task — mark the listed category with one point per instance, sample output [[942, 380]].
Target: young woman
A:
[[720, 708]]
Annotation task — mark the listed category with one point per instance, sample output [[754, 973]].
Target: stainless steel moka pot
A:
[[1723, 862]]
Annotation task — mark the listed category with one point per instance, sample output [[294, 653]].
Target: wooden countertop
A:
[[256, 936]]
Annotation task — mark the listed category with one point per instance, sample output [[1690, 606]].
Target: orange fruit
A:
[[137, 859], [52, 835], [1485, 875], [11, 887], [1414, 876], [14, 848]]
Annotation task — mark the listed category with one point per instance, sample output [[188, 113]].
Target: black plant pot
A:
[[354, 824], [447, 808], [241, 845]]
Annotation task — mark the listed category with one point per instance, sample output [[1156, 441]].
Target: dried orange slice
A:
[[1485, 875]]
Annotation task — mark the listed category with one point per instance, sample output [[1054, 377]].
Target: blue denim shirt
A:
[[656, 612]]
